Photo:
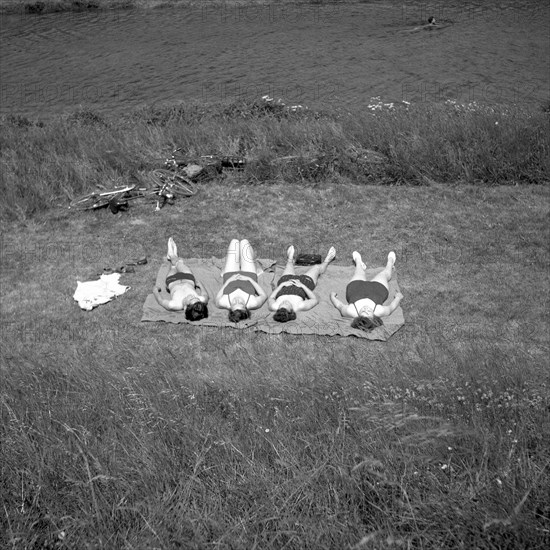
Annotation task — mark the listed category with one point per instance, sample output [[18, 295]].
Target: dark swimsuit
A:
[[239, 284], [179, 276], [373, 290], [293, 290]]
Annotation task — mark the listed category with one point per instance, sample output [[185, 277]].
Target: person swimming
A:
[[430, 26]]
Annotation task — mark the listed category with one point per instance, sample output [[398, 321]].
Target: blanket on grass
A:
[[323, 320]]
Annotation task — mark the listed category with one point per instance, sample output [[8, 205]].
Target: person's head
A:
[[196, 311], [283, 315], [431, 20], [366, 324], [236, 315]]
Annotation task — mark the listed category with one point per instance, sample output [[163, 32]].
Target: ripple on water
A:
[[491, 51]]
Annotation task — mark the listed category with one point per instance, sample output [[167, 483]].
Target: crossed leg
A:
[[360, 268], [177, 265]]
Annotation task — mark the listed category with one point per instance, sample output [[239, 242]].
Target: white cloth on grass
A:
[[90, 294]]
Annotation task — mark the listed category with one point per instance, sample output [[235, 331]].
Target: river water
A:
[[342, 53]]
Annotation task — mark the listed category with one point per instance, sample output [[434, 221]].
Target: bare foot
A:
[[172, 250], [358, 260], [391, 258], [290, 253], [331, 254]]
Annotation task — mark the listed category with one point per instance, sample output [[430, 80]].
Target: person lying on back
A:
[[294, 293], [366, 297], [186, 293]]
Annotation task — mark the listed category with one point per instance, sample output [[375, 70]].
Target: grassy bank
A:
[[44, 164], [121, 434]]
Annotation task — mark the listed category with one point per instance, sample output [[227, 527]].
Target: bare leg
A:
[[248, 257], [360, 268], [384, 276], [319, 269], [232, 262], [289, 268], [177, 265], [172, 250]]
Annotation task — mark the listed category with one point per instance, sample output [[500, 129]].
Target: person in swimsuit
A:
[[366, 298], [185, 293], [295, 292], [240, 292]]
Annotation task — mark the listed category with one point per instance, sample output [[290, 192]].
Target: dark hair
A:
[[236, 315], [283, 315], [366, 324], [196, 311]]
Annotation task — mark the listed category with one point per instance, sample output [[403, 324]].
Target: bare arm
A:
[[166, 304], [306, 305], [385, 311], [272, 296], [203, 294], [338, 304], [261, 292], [310, 293], [219, 296]]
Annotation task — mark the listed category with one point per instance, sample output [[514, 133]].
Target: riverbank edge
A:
[[39, 7], [45, 163]]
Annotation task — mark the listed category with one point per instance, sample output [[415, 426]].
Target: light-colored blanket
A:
[[323, 320]]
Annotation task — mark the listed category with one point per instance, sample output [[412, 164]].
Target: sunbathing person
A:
[[240, 292], [185, 293], [295, 292], [365, 298]]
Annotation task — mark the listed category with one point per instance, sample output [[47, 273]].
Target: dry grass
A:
[[123, 434], [45, 163]]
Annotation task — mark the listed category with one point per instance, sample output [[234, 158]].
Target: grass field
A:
[[121, 434]]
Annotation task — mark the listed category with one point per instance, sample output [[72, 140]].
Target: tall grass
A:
[[121, 434], [46, 163], [142, 454]]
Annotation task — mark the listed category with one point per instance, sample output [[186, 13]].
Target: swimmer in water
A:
[[432, 25]]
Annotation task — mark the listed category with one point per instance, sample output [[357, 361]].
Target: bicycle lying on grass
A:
[[165, 185], [177, 179]]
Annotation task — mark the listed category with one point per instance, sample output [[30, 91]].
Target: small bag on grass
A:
[[309, 259]]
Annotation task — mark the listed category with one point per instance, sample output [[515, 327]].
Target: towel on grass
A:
[[323, 320], [207, 272], [90, 294]]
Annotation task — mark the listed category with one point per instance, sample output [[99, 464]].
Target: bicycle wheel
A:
[[89, 202], [183, 186], [98, 199], [160, 176], [168, 180]]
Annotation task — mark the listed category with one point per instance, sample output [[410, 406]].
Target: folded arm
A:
[[257, 301]]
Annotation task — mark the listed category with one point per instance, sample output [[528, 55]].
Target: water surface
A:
[[337, 53]]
